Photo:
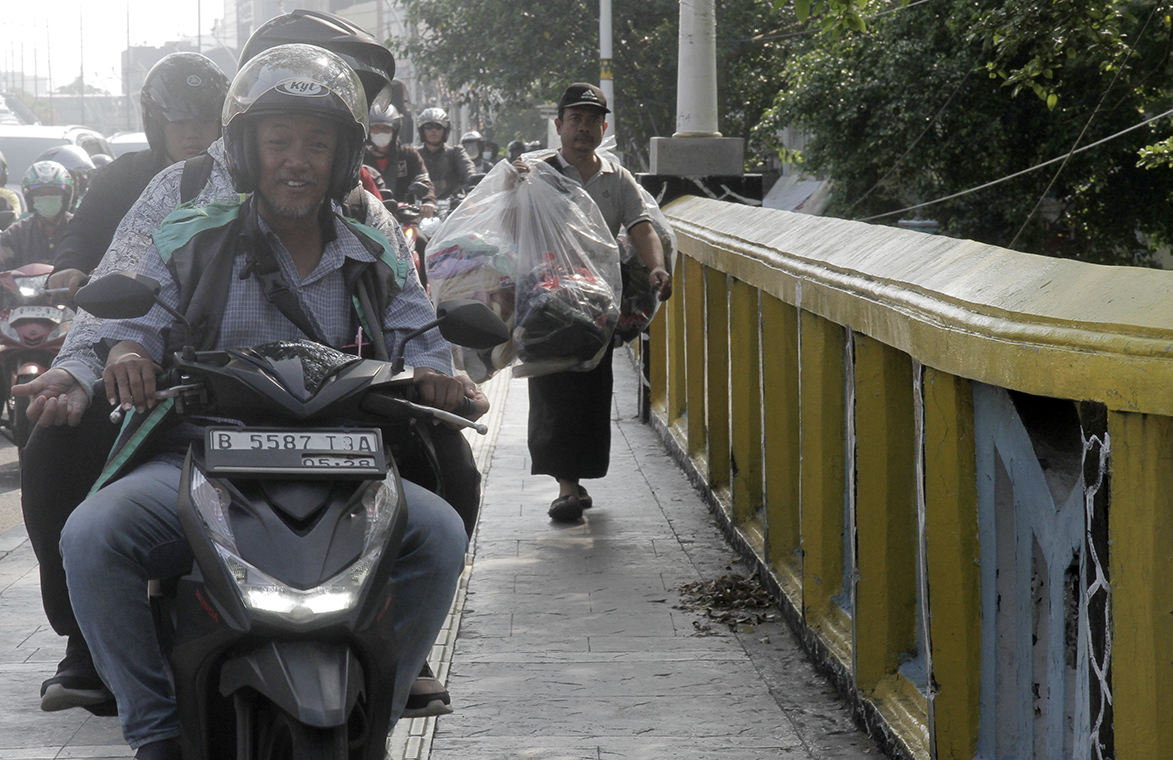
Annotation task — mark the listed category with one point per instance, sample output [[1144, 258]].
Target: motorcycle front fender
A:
[[315, 682]]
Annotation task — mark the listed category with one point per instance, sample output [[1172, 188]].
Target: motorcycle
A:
[[294, 517], [32, 331]]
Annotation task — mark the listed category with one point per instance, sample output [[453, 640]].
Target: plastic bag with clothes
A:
[[568, 275], [473, 255]]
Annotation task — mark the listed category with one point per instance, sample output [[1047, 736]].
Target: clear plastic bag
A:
[[473, 255], [568, 275]]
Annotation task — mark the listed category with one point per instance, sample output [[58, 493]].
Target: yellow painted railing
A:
[[860, 403]]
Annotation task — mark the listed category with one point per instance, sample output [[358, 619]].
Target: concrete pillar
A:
[[696, 73], [697, 158]]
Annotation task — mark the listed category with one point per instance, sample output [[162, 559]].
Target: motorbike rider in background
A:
[[9, 200], [399, 166], [61, 397], [297, 157], [48, 191], [474, 145], [449, 167], [78, 163]]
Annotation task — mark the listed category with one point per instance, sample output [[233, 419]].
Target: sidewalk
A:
[[565, 642], [570, 645]]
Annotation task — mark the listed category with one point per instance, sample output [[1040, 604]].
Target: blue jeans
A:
[[129, 532]]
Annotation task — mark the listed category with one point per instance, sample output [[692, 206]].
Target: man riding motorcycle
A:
[[449, 167], [48, 190], [400, 166], [297, 157], [61, 396], [474, 145]]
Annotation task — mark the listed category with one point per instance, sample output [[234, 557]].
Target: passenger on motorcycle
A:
[[181, 100], [449, 167], [297, 157], [48, 190], [400, 166]]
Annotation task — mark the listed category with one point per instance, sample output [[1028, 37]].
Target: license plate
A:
[[35, 312], [284, 451]]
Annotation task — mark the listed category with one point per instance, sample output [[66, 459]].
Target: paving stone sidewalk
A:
[[565, 642], [570, 644]]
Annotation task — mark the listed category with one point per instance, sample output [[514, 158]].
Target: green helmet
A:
[[46, 174]]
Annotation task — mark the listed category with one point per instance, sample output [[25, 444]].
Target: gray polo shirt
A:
[[614, 191]]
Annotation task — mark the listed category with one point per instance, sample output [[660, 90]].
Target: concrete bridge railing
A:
[[953, 462]]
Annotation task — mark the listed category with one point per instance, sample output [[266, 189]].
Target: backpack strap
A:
[[196, 173], [262, 264]]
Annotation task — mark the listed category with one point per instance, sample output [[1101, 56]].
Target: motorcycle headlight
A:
[[262, 592]]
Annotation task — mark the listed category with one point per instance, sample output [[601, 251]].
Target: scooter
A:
[[32, 331], [294, 517]]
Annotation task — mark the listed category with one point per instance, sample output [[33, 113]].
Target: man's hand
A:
[[130, 377], [66, 278], [480, 402], [427, 209], [57, 398], [438, 390], [662, 281]]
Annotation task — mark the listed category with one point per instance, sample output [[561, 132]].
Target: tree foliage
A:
[[514, 54], [908, 112]]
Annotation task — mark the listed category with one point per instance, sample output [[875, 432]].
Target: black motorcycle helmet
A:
[[374, 63], [304, 79], [181, 86]]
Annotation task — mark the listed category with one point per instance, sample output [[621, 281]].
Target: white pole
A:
[[696, 77], [606, 83]]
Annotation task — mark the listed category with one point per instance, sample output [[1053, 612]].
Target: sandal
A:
[[584, 498], [565, 509]]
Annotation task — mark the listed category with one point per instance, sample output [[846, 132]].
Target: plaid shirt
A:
[[133, 239], [250, 319]]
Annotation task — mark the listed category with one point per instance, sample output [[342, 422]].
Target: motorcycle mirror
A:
[[464, 322], [124, 295], [471, 323], [118, 295]]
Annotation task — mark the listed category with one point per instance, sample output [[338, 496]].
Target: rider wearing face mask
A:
[[181, 101], [48, 190], [400, 165]]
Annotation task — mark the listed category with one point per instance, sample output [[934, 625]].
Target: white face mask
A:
[[48, 206], [381, 139]]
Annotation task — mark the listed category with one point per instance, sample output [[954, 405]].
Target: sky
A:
[[65, 29]]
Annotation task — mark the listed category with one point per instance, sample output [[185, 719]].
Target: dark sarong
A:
[[570, 422]]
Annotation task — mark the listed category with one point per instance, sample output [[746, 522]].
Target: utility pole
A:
[[81, 76], [606, 83], [126, 73]]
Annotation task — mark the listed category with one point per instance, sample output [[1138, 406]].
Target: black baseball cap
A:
[[583, 94]]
